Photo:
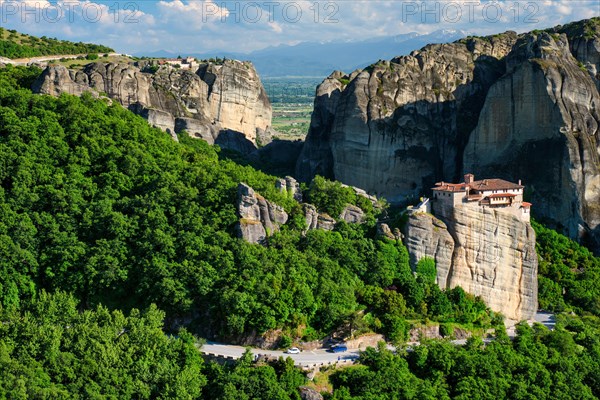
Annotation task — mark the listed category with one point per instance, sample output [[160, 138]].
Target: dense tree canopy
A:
[[538, 364], [17, 45], [569, 274], [102, 216], [96, 203], [49, 349]]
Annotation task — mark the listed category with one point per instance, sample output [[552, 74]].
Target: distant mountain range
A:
[[320, 59]]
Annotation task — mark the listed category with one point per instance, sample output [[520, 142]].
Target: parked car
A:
[[293, 350], [338, 348]]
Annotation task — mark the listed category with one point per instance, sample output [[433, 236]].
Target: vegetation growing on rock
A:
[[101, 216], [98, 204], [18, 45], [569, 274]]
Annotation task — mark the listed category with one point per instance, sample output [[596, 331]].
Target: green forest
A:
[[118, 252], [17, 45]]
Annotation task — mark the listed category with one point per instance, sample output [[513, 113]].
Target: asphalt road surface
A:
[[320, 356], [314, 357]]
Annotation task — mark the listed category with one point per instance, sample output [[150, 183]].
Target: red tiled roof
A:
[[450, 187], [494, 184], [480, 186], [474, 197], [501, 195], [526, 204]]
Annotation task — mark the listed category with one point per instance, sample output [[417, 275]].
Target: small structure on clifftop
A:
[[480, 236], [495, 193]]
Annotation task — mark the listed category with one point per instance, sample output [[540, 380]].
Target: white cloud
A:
[[276, 27], [196, 13], [188, 26]]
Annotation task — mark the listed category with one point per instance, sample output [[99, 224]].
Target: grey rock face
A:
[[397, 126], [427, 236], [290, 186], [237, 98], [263, 136], [217, 98], [315, 220], [488, 253], [316, 157], [384, 230], [352, 214], [197, 129], [584, 45], [307, 393], [259, 217], [548, 133], [508, 106], [157, 118]]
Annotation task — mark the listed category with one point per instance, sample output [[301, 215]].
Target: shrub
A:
[[285, 341], [330, 197], [426, 268], [446, 330]]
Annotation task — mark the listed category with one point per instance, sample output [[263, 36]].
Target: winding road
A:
[[307, 358], [320, 357]]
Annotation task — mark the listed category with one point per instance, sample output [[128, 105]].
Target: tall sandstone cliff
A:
[[224, 104], [508, 106], [489, 253]]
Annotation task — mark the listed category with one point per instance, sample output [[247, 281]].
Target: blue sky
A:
[[195, 26]]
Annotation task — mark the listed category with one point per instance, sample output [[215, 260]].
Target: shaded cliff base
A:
[[276, 158]]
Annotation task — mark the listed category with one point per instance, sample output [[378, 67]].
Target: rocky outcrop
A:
[[237, 98], [392, 128], [259, 217], [215, 100], [291, 187], [417, 334], [157, 118], [427, 236], [547, 134], [384, 230], [197, 128], [364, 341], [316, 157], [584, 45], [508, 106], [489, 253], [307, 393], [316, 220], [352, 214]]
